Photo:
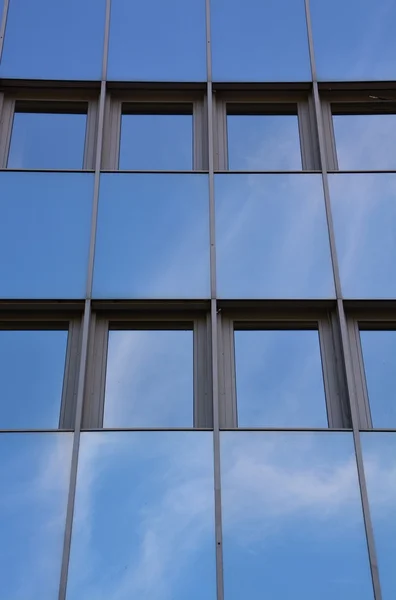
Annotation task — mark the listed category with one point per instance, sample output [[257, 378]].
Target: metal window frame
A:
[[101, 324], [354, 101], [57, 101], [324, 322], [158, 102], [15, 321], [266, 103]]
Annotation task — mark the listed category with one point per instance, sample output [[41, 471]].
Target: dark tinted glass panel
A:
[[279, 379], [54, 40], [149, 381], [364, 214], [157, 142], [271, 235], [153, 236], [379, 355], [158, 41], [292, 517], [47, 141], [254, 41], [379, 454], [354, 40], [44, 233], [32, 366], [143, 520], [34, 473], [263, 142], [365, 141]]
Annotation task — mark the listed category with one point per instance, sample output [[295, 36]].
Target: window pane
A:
[[143, 520], [379, 454], [34, 474], [157, 142], [263, 142], [149, 381], [47, 141], [32, 366], [54, 40], [153, 236], [292, 518], [279, 379], [253, 41], [365, 141], [44, 233], [272, 239], [364, 215], [354, 40], [379, 354], [157, 41]]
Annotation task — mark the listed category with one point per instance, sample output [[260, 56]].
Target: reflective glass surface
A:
[[279, 379], [263, 142], [149, 380], [364, 215], [354, 39], [365, 142], [292, 518], [44, 233], [34, 475], [54, 40], [153, 236], [47, 141], [158, 41], [379, 356], [156, 142], [379, 454], [271, 236], [253, 41], [32, 365], [143, 520]]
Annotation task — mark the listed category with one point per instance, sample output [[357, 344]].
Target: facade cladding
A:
[[198, 300]]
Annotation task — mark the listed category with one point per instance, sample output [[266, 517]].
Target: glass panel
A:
[[157, 142], [379, 354], [279, 379], [153, 236], [32, 365], [272, 239], [291, 505], [365, 142], [263, 142], [54, 40], [158, 41], [364, 215], [253, 41], [47, 141], [149, 381], [143, 521], [379, 454], [44, 232], [354, 40], [34, 474]]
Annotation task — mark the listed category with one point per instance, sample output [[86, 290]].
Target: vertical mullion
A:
[[213, 318], [86, 324], [3, 23], [346, 350]]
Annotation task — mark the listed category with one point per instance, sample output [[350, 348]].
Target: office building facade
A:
[[198, 299]]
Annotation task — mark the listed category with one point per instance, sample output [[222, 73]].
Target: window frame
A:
[[58, 102], [72, 323], [322, 321], [100, 326], [165, 102], [272, 103]]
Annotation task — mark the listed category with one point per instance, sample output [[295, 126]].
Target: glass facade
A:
[[197, 299]]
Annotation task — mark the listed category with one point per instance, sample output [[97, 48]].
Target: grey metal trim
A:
[[112, 134], [200, 136], [228, 415], [6, 122], [329, 137], [69, 395], [3, 23], [91, 136], [203, 406], [96, 374], [359, 376], [310, 155], [220, 135]]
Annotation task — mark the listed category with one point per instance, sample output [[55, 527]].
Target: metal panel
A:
[[96, 374], [203, 406], [69, 395]]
